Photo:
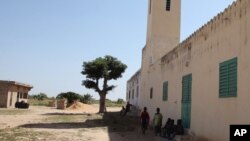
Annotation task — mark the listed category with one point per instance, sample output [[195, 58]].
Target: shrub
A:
[[120, 101], [70, 96], [87, 99], [40, 96]]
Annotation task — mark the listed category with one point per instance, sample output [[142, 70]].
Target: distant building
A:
[[133, 89], [203, 80], [11, 92]]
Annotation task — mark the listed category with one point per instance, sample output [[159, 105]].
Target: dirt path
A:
[[50, 124]]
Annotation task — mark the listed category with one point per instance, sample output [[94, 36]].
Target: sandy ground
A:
[[38, 114]]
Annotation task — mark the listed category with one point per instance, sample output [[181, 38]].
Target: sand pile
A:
[[80, 106]]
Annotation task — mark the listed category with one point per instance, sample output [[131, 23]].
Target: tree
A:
[[40, 96], [120, 101], [87, 98], [70, 96], [102, 69]]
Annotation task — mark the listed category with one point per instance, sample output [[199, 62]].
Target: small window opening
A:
[[168, 5]]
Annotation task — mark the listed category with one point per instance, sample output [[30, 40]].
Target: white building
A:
[[203, 80], [133, 89]]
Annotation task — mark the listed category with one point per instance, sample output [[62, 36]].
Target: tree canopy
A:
[[40, 96], [70, 96], [102, 69], [106, 68]]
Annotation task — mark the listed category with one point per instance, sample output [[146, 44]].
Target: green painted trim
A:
[[165, 91], [228, 78], [186, 100]]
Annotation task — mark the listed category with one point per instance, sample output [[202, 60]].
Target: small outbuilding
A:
[[12, 92]]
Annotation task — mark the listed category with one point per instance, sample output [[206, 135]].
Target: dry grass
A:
[[22, 134], [4, 111], [35, 102]]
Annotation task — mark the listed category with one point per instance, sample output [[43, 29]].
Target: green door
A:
[[186, 100]]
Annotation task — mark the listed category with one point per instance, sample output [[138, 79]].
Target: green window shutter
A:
[[186, 88], [165, 91], [186, 100], [223, 79], [151, 93], [228, 78]]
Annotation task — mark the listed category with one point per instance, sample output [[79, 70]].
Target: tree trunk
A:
[[102, 107]]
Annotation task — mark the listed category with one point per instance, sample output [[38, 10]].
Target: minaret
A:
[[163, 30]]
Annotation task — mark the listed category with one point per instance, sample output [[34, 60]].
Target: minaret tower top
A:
[[163, 30]]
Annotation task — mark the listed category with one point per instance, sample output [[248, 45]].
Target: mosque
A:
[[202, 80]]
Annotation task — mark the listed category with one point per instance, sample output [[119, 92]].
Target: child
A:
[[166, 127], [157, 122], [144, 120]]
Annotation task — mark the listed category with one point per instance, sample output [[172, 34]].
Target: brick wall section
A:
[[61, 104]]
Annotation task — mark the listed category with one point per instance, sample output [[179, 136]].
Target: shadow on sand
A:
[[54, 114], [112, 120], [119, 128]]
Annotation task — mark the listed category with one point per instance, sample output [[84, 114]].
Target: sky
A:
[[45, 42]]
